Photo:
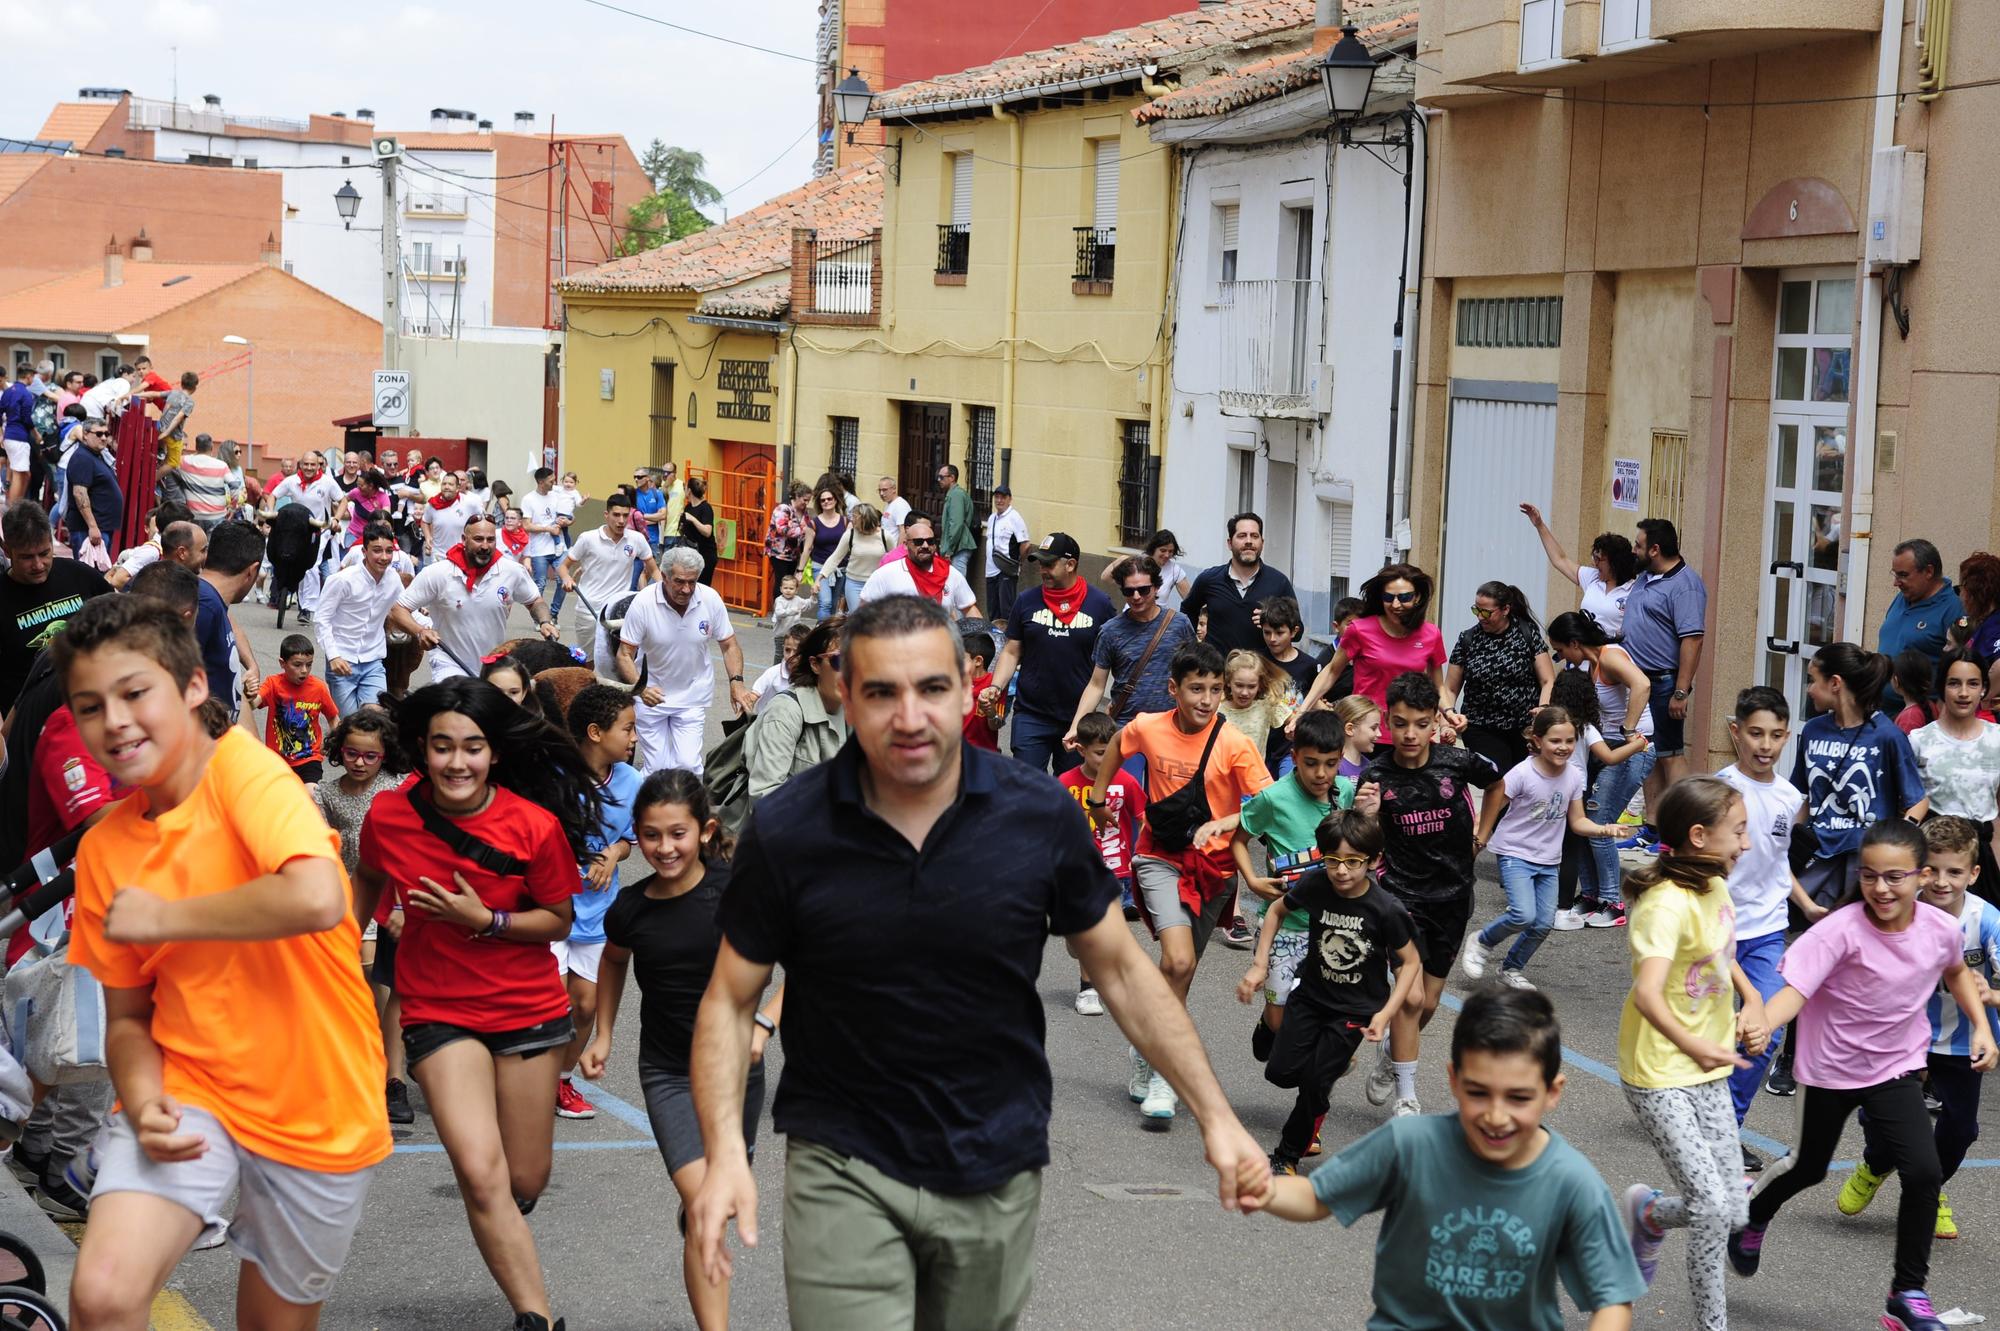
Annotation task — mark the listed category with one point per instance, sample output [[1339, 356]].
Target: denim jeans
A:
[[539, 567], [1531, 909], [830, 589], [1759, 959], [363, 683], [961, 561], [1037, 740], [1608, 798]]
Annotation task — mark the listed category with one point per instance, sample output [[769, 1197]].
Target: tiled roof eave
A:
[[1054, 88]]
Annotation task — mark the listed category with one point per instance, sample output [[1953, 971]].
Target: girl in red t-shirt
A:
[[479, 853]]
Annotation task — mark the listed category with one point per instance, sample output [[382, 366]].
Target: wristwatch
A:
[[736, 679], [1680, 695]]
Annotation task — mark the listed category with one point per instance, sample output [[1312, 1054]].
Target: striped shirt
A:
[[207, 478], [1979, 926]]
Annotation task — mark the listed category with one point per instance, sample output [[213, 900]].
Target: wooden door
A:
[[924, 446]]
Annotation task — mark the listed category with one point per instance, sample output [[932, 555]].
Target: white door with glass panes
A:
[[1805, 479]]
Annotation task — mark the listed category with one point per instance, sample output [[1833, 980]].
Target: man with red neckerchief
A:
[[1051, 636]]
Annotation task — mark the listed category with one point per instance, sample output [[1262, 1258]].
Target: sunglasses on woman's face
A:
[[1400, 598], [1485, 611]]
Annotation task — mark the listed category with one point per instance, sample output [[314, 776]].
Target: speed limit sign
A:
[[392, 399]]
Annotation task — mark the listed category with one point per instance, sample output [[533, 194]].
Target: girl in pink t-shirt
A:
[[1389, 637], [1859, 982]]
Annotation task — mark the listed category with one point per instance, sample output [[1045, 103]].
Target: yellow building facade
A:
[[1028, 228]]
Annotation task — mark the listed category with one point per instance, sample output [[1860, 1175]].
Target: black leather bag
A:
[[1175, 819]]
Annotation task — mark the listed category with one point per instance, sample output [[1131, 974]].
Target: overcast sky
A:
[[596, 70]]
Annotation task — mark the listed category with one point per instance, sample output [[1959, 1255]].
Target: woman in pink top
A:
[[1860, 983], [1386, 639]]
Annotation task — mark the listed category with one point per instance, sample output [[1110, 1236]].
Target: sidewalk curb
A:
[[21, 1217]]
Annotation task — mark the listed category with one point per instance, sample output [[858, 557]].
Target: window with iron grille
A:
[[846, 460], [1138, 484], [979, 457], [1096, 253], [1510, 321], [954, 249]]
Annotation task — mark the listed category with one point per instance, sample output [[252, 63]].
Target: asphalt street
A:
[[1131, 1235]]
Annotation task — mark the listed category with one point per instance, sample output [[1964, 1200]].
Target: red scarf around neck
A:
[[439, 501], [930, 584], [1065, 603], [456, 558]]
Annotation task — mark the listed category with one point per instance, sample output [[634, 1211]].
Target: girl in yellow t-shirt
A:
[[1678, 1035]]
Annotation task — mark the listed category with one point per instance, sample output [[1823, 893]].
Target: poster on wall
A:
[[1625, 484]]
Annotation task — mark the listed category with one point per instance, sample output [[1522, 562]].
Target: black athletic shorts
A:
[[426, 1038], [1439, 927]]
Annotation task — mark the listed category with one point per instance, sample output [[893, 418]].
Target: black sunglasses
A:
[[1139, 590], [1400, 598], [920, 540]]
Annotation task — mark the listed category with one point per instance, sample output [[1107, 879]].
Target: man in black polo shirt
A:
[[916, 1087], [38, 594], [1231, 592], [1051, 635]]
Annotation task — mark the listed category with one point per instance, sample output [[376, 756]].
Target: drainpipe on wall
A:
[[1396, 535], [1868, 356], [1012, 351]]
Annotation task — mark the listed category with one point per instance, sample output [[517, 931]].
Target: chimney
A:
[[364, 113], [524, 120], [114, 264], [211, 101], [485, 127], [142, 247], [1328, 15], [270, 255]]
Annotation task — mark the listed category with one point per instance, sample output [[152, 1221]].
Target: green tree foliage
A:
[[673, 210]]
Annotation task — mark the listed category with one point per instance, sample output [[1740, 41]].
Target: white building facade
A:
[[1287, 379]]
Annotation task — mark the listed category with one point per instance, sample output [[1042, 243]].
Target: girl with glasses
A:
[[363, 752]]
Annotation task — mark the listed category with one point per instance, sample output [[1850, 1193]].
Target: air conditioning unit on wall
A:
[[1895, 207]]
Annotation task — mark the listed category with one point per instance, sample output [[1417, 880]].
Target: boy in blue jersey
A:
[[1954, 1082], [603, 722]]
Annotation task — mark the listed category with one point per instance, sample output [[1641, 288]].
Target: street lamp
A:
[[250, 381], [348, 200], [1346, 72], [851, 98]]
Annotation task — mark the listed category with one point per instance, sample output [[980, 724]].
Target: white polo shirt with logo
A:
[[470, 621], [675, 645]]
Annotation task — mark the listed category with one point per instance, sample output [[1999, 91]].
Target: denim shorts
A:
[[1669, 732], [426, 1038]]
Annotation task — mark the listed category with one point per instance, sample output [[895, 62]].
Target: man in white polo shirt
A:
[[467, 595], [600, 565], [670, 626], [353, 608], [921, 572]]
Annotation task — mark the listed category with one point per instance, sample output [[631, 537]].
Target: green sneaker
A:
[[1947, 1228], [1860, 1189]]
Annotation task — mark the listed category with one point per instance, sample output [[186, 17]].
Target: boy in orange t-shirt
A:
[[300, 710], [1183, 891], [240, 1034]]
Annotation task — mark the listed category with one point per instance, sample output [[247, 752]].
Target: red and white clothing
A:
[[443, 972], [674, 645], [902, 578], [320, 498], [1118, 826], [67, 787], [467, 608]]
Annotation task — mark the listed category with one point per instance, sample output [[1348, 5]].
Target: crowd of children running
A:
[[1829, 920]]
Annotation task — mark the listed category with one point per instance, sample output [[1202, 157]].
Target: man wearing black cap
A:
[[1051, 633], [1006, 540]]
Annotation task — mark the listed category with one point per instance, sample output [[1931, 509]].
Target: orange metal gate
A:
[[742, 501]]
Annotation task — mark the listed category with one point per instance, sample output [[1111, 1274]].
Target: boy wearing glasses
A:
[[1343, 994]]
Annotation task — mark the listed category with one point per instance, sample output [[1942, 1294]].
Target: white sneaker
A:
[[1381, 1084], [1513, 979], [1088, 1004], [1473, 958], [1406, 1107], [1606, 917], [1160, 1099], [1568, 920], [1142, 1078]]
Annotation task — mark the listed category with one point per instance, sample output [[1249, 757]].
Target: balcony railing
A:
[[954, 249], [434, 205], [842, 276], [155, 113], [1096, 253], [1266, 332]]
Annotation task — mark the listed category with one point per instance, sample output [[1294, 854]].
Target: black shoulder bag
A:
[[1175, 819], [488, 857]]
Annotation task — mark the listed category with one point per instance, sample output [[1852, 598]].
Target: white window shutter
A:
[[1230, 213], [1340, 537], [1107, 183], [961, 189]]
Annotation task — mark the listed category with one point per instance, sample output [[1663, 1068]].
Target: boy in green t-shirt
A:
[[1485, 1212]]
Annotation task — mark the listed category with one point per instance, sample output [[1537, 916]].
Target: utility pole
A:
[[392, 255]]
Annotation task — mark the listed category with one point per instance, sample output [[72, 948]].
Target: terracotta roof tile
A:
[[80, 302], [843, 204], [75, 122], [763, 300], [1169, 43], [1379, 25]]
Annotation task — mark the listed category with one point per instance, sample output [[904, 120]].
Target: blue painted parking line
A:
[[1769, 1146]]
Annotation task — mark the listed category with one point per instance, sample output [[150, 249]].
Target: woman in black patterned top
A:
[[1499, 675]]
